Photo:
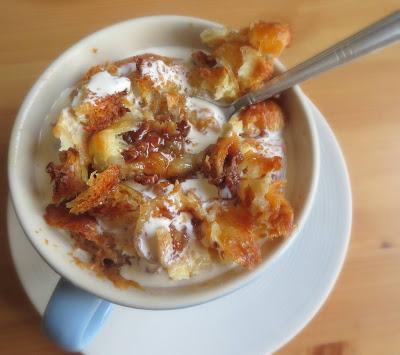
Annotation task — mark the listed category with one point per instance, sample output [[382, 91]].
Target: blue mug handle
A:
[[73, 316]]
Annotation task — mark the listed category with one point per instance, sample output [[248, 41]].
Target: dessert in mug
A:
[[150, 176]]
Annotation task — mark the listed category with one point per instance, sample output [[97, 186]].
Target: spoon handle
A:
[[373, 37]]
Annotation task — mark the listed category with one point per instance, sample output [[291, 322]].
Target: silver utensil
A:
[[375, 36]]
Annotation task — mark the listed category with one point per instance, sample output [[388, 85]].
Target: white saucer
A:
[[256, 319]]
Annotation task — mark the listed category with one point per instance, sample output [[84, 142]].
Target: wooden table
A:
[[361, 102]]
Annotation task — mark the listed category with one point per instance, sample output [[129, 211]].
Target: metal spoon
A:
[[375, 36]]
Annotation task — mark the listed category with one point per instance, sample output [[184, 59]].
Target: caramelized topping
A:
[[221, 163], [153, 147], [145, 179], [167, 137]]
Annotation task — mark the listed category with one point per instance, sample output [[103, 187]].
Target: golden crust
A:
[[234, 231], [255, 165], [280, 212], [266, 201], [121, 206], [259, 118], [219, 82], [232, 235], [100, 186], [269, 37], [103, 112], [255, 69], [105, 258], [230, 54], [82, 227], [243, 54], [69, 177]]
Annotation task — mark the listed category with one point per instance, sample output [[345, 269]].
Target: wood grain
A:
[[361, 102]]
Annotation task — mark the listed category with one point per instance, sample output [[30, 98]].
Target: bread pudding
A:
[[150, 176]]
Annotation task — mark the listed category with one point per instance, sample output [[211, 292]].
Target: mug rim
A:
[[231, 286]]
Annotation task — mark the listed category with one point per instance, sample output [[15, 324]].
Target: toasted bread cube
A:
[[255, 70], [269, 37]]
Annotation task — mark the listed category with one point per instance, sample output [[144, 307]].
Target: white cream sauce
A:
[[201, 140], [103, 84]]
